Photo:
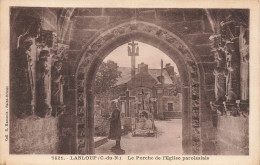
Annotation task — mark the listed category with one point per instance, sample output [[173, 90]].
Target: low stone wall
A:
[[101, 125], [233, 135], [34, 136], [172, 115]]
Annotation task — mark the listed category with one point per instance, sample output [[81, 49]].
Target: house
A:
[[157, 90]]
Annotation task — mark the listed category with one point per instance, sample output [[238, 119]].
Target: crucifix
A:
[[143, 94], [127, 98], [134, 51]]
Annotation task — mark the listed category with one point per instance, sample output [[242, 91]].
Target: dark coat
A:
[[115, 125]]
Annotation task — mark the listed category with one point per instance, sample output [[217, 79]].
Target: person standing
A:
[[115, 128]]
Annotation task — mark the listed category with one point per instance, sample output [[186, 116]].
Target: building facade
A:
[[155, 90]]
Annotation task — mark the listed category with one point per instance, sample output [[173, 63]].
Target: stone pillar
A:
[[160, 102], [81, 125], [186, 121], [25, 75]]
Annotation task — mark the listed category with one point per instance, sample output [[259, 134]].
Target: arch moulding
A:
[[107, 40]]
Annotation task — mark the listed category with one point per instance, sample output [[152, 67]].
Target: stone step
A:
[[100, 141]]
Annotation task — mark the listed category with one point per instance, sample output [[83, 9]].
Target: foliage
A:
[[106, 77]]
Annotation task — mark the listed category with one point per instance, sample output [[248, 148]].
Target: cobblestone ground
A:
[[168, 141]]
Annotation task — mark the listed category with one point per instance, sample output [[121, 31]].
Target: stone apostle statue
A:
[[43, 85], [24, 78], [57, 83], [24, 66]]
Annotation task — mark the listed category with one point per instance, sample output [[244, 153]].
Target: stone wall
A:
[[34, 136], [232, 134], [192, 25], [230, 107], [30, 134], [176, 100], [77, 27]]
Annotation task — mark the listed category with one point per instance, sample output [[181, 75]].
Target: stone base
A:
[[25, 110], [57, 110], [233, 135], [243, 107], [231, 108], [44, 110], [34, 135], [100, 141], [127, 124]]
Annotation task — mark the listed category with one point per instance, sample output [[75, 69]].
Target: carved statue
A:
[[24, 79], [25, 85], [244, 63], [232, 77], [43, 86], [57, 83], [220, 80]]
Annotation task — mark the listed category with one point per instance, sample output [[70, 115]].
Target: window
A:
[[170, 106]]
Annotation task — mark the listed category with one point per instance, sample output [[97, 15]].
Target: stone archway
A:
[[171, 44]]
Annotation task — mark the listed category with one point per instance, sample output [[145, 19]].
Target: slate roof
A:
[[126, 75]]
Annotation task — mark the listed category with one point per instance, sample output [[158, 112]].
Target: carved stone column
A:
[[25, 59], [81, 115], [47, 45]]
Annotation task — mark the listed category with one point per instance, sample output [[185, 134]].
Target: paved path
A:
[[168, 141]]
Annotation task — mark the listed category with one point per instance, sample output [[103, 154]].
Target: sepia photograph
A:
[[129, 81]]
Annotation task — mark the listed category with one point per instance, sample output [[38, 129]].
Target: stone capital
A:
[[47, 39], [61, 50]]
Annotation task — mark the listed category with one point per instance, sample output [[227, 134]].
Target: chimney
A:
[[143, 68], [169, 69], [161, 77]]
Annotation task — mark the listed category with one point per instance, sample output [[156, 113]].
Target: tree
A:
[[106, 77]]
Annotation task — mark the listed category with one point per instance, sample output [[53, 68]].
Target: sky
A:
[[147, 54]]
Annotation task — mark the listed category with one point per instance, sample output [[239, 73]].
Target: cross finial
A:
[[135, 49]]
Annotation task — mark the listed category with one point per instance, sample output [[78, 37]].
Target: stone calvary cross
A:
[[143, 94], [133, 52], [127, 98]]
